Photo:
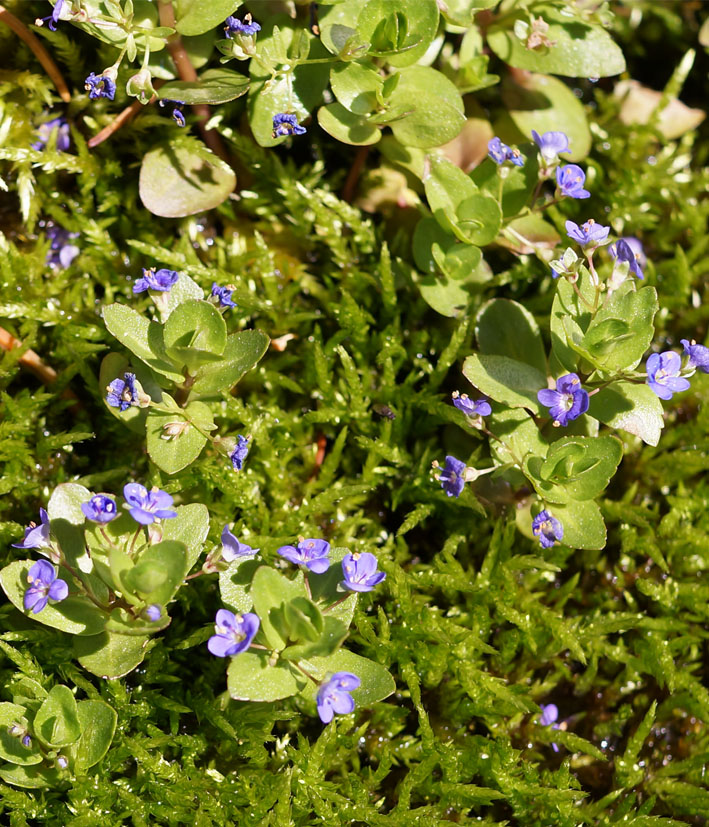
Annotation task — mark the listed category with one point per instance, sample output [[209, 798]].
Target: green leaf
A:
[[269, 591], [11, 746], [623, 328], [568, 305], [195, 334], [451, 296], [506, 328], [31, 778], [110, 655], [582, 523], [630, 407], [75, 615], [338, 27], [176, 181], [144, 23], [198, 16], [576, 468], [541, 103], [347, 127], [428, 108], [327, 643], [190, 527], [124, 622], [580, 49], [377, 683], [158, 572], [506, 380], [173, 453], [214, 86], [519, 433], [405, 26], [56, 723], [250, 678], [235, 584], [98, 726], [243, 351], [356, 86], [438, 251], [142, 337], [181, 291], [517, 186], [298, 92], [457, 205]]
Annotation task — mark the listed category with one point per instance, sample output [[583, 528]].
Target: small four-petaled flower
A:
[[233, 549], [547, 528], [360, 572], [223, 295], [570, 180], [53, 18], [44, 586], [452, 476], [480, 407], [241, 449], [147, 506], [160, 280], [567, 402], [663, 374], [100, 509], [45, 131], [100, 86], [234, 633], [588, 234], [123, 393], [500, 153], [697, 355], [334, 695], [248, 27], [36, 536], [286, 124], [551, 144], [630, 250], [311, 553], [549, 717]]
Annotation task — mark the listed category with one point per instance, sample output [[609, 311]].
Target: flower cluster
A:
[[359, 570]]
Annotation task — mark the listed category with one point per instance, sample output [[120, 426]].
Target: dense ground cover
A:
[[481, 627]]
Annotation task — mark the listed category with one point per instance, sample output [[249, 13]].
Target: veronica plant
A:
[[179, 369], [47, 736]]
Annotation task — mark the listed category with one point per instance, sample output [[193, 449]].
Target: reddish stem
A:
[[42, 55]]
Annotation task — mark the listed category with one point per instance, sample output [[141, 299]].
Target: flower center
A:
[[567, 401]]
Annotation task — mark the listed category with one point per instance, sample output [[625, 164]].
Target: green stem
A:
[[337, 603]]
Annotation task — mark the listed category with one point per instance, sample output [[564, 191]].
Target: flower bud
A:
[[140, 86]]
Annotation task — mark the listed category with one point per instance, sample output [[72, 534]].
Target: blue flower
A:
[[360, 572], [481, 407], [234, 633], [45, 130], [286, 124], [153, 612], [177, 114], [26, 741], [570, 180], [232, 26], [223, 295], [567, 402], [232, 549], [238, 455], [123, 393], [162, 280], [36, 536], [100, 86], [551, 144], [333, 695], [549, 716], [313, 554], [630, 250], [452, 477], [663, 374], [44, 586], [500, 153], [698, 355], [61, 253], [147, 506], [588, 233], [100, 509], [547, 528], [53, 18]]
